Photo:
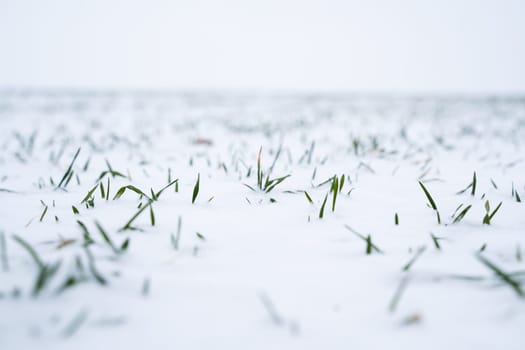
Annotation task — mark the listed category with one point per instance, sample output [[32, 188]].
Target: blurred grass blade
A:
[[505, 277]]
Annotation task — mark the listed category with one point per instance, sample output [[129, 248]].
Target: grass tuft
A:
[[462, 214], [69, 172], [488, 215], [370, 246]]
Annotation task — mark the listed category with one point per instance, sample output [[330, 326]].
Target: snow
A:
[[268, 272]]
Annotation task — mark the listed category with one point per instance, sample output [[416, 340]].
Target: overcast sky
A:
[[414, 46]]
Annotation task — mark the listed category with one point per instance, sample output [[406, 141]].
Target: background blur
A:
[[386, 46]]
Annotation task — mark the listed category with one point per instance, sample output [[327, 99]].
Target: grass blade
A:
[[515, 285], [321, 212], [196, 189], [38, 261], [429, 197]]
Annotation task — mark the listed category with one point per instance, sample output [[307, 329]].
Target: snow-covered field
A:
[[245, 261]]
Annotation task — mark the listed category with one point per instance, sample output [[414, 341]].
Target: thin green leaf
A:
[[196, 189]]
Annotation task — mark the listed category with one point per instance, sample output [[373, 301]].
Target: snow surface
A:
[[266, 272]]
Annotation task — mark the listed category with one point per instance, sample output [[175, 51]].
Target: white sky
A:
[[414, 46]]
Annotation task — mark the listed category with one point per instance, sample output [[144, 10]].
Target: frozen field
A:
[[275, 222]]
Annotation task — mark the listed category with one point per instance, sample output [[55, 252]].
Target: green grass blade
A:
[[515, 285], [321, 212], [429, 197], [36, 258], [196, 189]]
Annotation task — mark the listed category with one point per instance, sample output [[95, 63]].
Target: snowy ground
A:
[[249, 269]]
